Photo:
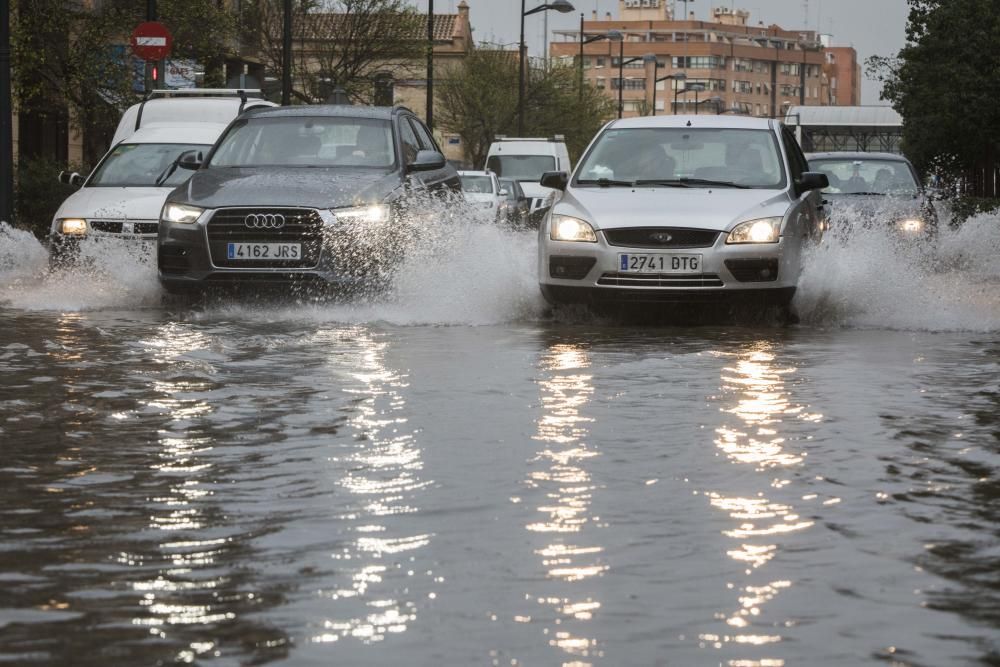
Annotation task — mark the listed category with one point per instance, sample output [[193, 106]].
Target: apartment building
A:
[[729, 64]]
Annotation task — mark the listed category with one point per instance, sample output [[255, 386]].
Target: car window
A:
[[867, 176], [746, 157], [138, 165], [477, 184], [307, 141], [426, 141], [521, 167], [411, 145]]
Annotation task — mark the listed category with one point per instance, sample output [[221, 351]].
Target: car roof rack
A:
[[161, 93]]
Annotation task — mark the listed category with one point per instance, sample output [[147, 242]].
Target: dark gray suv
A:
[[305, 195]]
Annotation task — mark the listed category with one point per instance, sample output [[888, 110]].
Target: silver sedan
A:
[[681, 209]]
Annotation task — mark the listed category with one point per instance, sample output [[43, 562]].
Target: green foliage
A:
[[478, 101], [964, 208], [38, 193], [945, 83]]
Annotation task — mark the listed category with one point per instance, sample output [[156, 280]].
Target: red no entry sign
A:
[[151, 41]]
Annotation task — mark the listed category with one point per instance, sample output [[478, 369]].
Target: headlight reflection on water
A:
[[755, 395], [561, 476]]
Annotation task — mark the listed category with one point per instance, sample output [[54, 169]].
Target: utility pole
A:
[[286, 55], [148, 65], [6, 120], [430, 65]]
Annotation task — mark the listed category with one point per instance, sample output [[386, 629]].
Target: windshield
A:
[[883, 177], [139, 165], [747, 158], [477, 184], [307, 141], [521, 167]]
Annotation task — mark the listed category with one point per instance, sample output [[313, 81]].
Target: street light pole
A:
[[675, 78], [582, 42], [561, 6], [649, 57], [430, 65]]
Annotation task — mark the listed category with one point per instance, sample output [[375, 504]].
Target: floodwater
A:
[[458, 477]]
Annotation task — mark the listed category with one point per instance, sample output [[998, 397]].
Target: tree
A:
[[351, 46], [944, 84], [478, 101], [73, 61]]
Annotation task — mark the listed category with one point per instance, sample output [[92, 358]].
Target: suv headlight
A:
[[764, 230], [373, 213], [73, 226], [910, 225], [566, 228], [181, 213]]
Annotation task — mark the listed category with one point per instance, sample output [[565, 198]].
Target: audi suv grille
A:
[[660, 237], [300, 225]]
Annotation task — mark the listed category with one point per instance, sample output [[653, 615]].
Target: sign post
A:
[[151, 41]]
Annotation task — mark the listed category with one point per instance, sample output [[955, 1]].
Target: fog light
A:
[[73, 226]]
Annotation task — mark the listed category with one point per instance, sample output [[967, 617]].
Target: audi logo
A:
[[264, 221]]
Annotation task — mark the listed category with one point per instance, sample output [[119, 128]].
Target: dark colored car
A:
[[305, 195], [518, 205], [875, 189]]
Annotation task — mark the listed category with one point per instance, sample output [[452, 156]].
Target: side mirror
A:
[[557, 180], [191, 159], [427, 161], [812, 180], [70, 178], [504, 193]]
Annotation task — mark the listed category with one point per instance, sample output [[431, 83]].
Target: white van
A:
[[525, 160], [123, 195]]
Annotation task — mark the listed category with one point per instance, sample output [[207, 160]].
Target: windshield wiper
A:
[[668, 182], [704, 181], [607, 183], [167, 173]]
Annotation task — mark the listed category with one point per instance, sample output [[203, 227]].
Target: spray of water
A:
[[873, 278], [460, 267]]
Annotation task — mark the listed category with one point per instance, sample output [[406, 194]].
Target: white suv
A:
[[525, 160], [123, 195]]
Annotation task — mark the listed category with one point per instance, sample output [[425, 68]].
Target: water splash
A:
[[112, 274], [872, 279]]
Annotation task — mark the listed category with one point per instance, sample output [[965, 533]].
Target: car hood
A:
[[114, 203], [307, 187], [697, 208]]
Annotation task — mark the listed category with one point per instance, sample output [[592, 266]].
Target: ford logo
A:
[[661, 237], [264, 221]]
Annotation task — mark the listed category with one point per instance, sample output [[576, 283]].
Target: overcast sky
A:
[[873, 27]]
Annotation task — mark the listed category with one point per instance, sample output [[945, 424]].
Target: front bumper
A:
[[66, 248], [191, 256], [574, 272]]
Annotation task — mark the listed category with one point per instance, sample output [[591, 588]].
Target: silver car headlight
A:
[[567, 228], [73, 226], [181, 213], [764, 230], [373, 213], [910, 225]]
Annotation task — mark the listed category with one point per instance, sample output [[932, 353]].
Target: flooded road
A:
[[460, 478]]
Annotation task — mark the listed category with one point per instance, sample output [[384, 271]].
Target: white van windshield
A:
[[139, 165], [521, 167]]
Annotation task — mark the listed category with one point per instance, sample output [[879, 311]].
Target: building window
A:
[[601, 83], [742, 65], [699, 62], [629, 84], [637, 64], [744, 87]]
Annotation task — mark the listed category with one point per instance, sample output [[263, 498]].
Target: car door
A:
[[440, 180], [807, 207]]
